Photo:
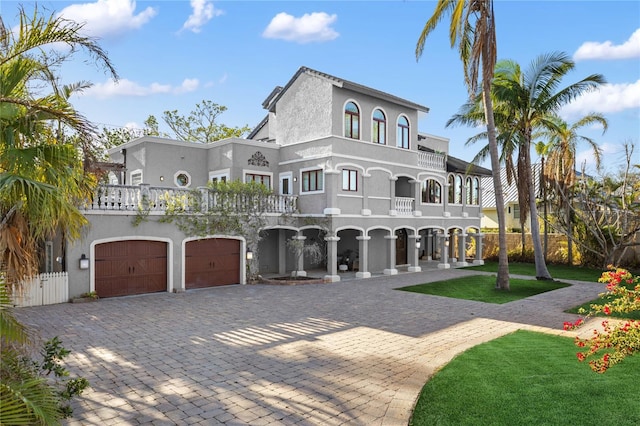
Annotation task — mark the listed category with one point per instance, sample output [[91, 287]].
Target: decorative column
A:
[[479, 260], [417, 197], [282, 252], [366, 211], [392, 196], [331, 191], [332, 259], [391, 261], [429, 248], [299, 272], [443, 242], [363, 259], [462, 249], [414, 253]]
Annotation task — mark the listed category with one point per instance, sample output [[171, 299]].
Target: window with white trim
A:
[[349, 180], [402, 140], [259, 178], [379, 127], [135, 178], [351, 121], [182, 179], [431, 192], [312, 180]]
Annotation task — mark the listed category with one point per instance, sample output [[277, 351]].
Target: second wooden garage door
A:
[[212, 262]]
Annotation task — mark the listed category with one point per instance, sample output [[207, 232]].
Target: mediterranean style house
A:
[[349, 172]]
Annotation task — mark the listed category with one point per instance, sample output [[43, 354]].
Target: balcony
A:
[[432, 160], [128, 198], [404, 206]]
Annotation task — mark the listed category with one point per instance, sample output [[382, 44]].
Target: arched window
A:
[[402, 138], [469, 191], [458, 189], [476, 191], [352, 121], [452, 187], [431, 192], [379, 127]]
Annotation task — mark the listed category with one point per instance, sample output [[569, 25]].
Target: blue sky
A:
[[173, 54]]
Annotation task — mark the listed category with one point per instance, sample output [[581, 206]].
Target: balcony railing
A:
[[404, 206], [133, 198], [431, 160]]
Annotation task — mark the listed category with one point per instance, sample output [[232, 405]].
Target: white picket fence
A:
[[44, 289]]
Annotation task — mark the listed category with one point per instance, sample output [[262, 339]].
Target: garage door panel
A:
[[212, 262], [130, 267]]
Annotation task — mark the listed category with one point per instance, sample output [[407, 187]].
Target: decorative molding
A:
[[258, 159]]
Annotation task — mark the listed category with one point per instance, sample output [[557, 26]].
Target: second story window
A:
[[476, 192], [351, 121], [312, 180], [469, 188], [458, 189], [379, 127], [349, 180], [452, 185], [431, 192], [402, 138], [263, 179]]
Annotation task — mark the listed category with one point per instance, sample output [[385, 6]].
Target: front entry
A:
[[212, 262], [401, 247]]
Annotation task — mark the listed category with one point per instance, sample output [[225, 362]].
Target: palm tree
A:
[[42, 178], [533, 98], [560, 170], [472, 29]]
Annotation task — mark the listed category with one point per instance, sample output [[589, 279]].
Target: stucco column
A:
[[282, 252], [392, 196], [445, 195], [299, 272], [429, 248], [391, 261], [462, 250], [363, 256], [331, 191], [479, 260], [414, 254], [443, 242], [417, 197], [332, 259], [366, 211]]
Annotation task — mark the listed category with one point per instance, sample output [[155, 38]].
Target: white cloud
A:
[[607, 50], [108, 17], [124, 87], [308, 28], [610, 157], [609, 99], [203, 12]]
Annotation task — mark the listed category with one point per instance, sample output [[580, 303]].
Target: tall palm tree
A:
[[42, 179], [472, 29], [532, 99], [560, 170]]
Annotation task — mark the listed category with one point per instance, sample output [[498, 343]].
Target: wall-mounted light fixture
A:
[[418, 244], [161, 178], [84, 262], [295, 179], [249, 255]]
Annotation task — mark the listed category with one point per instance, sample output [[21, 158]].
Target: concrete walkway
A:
[[349, 353]]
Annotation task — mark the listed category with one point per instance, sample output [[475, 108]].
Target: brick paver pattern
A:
[[349, 353]]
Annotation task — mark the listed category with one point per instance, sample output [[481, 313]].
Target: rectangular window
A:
[[136, 178], [516, 212], [349, 180], [263, 179], [312, 180]]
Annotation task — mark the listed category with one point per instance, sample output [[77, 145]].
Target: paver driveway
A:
[[354, 353]]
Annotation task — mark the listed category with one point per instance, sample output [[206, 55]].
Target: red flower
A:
[[606, 310], [580, 356]]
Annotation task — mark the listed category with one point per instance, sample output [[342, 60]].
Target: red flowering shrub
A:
[[610, 346]]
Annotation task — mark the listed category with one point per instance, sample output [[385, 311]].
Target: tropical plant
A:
[[42, 175], [472, 29], [560, 170]]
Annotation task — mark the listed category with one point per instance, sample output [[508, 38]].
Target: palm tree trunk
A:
[[502, 280], [542, 273]]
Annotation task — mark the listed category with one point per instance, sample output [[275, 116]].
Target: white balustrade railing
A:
[[404, 206], [145, 197], [431, 160]]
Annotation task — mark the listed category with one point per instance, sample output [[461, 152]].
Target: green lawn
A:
[[528, 378], [557, 271], [481, 288]]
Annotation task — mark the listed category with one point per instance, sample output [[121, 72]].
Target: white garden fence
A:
[[44, 289]]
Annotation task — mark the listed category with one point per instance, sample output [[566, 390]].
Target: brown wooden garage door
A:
[[130, 267], [212, 262]]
